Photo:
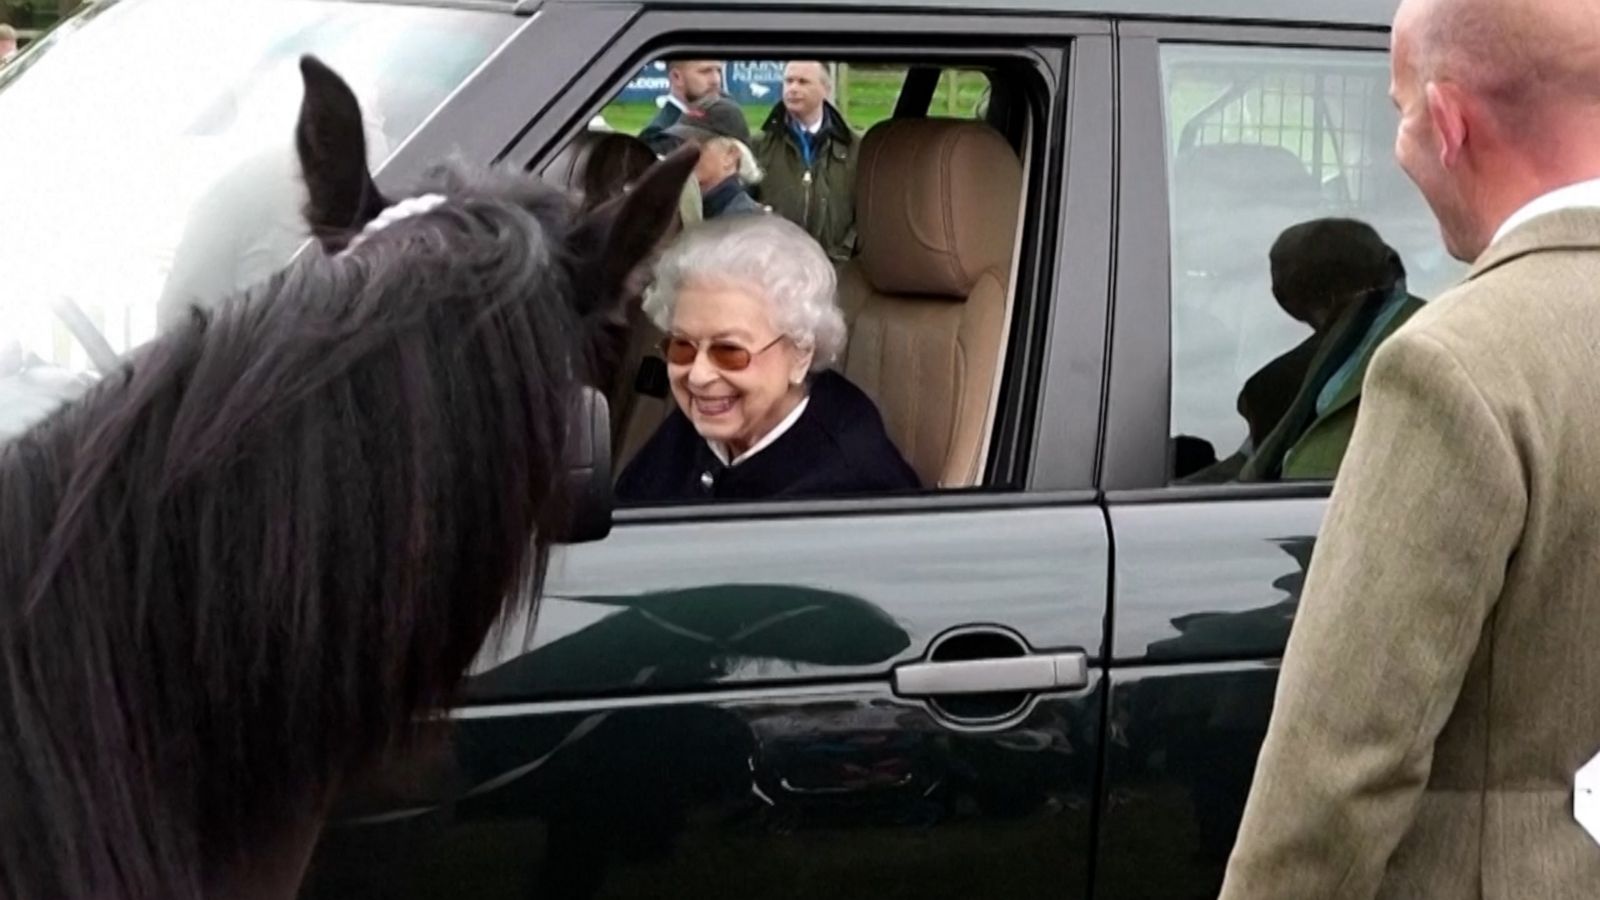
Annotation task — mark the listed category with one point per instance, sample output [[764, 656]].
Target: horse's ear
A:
[[615, 240], [333, 157]]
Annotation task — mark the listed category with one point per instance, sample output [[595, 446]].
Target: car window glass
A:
[[1260, 140]]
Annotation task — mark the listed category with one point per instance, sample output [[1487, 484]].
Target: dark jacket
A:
[[655, 134], [729, 198], [1289, 439], [819, 195], [837, 447], [1305, 443]]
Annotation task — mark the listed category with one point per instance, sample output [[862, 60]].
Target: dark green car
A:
[[1046, 677]]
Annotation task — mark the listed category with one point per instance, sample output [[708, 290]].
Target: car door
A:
[[874, 698], [1208, 577]]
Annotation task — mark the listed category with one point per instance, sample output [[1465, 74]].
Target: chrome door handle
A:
[[987, 676]]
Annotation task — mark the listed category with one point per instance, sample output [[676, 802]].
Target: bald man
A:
[[1439, 701]]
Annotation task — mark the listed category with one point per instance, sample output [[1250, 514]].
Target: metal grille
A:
[[1327, 119]]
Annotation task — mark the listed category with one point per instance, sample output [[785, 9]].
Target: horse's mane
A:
[[236, 571]]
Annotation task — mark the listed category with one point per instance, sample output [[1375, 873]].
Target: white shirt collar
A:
[[721, 449], [813, 127], [673, 99], [1582, 194]]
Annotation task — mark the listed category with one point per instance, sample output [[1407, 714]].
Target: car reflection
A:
[[695, 637]]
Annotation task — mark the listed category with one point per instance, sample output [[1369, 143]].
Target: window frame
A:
[[1138, 426], [1030, 451]]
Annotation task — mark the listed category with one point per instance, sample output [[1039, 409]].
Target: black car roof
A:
[[1361, 13]]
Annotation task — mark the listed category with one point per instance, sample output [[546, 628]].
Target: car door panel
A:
[[1207, 577], [745, 735], [1209, 580], [704, 703], [734, 603], [849, 792], [1205, 595]]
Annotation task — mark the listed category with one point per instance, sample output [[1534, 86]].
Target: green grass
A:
[[866, 96]]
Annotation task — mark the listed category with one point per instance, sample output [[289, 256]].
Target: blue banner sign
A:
[[750, 82]]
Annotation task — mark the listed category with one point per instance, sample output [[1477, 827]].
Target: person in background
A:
[[809, 153], [8, 43], [689, 82], [752, 325], [727, 167]]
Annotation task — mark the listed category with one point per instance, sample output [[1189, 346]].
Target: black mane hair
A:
[[239, 570]]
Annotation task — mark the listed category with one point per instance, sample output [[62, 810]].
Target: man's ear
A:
[[1447, 113], [333, 158], [615, 241]]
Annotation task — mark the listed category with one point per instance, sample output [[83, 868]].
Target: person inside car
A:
[[747, 306], [1339, 277], [727, 166]]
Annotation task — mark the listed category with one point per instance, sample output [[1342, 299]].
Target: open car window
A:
[[925, 346]]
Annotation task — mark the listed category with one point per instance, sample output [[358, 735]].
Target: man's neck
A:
[[1533, 194], [1562, 157], [811, 123]]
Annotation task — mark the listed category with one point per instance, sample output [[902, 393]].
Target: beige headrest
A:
[[936, 205]]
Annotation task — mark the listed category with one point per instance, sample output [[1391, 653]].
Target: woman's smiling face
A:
[[735, 407]]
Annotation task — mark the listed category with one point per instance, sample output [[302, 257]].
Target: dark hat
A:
[[711, 117]]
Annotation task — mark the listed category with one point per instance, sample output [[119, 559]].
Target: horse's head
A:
[[238, 573], [604, 252]]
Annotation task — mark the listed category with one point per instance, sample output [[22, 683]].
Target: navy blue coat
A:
[[730, 198], [838, 447]]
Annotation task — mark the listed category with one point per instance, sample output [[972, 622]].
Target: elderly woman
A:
[[728, 166], [748, 308]]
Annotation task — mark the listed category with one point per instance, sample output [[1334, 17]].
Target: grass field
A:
[[866, 96]]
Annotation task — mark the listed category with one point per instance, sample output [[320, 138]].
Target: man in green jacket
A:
[[809, 154]]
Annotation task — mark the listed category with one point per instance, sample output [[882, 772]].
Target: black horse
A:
[[241, 570]]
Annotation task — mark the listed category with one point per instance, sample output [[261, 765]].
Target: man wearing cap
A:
[[727, 166]]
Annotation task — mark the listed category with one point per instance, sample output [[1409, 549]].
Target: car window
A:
[[922, 345], [149, 160], [1266, 144], [865, 92]]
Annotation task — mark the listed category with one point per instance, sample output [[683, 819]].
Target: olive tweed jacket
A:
[[1441, 681]]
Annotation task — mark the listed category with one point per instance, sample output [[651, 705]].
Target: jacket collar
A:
[[833, 125], [722, 195], [1566, 229], [1342, 339], [1352, 386]]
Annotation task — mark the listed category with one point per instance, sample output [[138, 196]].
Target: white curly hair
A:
[[785, 265]]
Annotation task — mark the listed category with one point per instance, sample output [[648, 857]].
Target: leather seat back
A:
[[928, 297]]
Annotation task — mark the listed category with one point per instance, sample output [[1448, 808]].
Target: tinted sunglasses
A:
[[725, 355]]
